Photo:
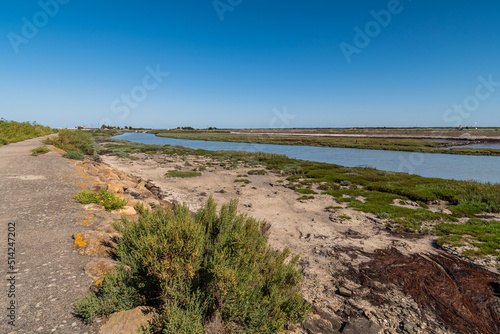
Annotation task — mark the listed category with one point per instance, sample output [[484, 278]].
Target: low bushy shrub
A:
[[176, 173], [73, 140], [117, 292], [306, 191], [212, 266], [39, 150], [101, 197], [12, 131], [257, 172], [73, 155]]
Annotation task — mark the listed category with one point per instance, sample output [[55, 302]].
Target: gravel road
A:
[[48, 276]]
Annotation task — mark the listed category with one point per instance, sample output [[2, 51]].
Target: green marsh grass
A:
[[483, 234], [176, 173]]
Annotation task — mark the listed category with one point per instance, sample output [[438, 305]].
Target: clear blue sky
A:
[[244, 64]]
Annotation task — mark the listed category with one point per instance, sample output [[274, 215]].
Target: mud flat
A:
[[356, 272], [488, 135]]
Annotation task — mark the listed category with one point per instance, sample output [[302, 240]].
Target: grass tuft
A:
[[101, 197], [39, 150], [74, 155], [176, 173]]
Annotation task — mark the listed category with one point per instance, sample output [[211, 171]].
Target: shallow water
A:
[[446, 166]]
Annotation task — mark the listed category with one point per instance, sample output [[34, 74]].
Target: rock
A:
[[115, 187], [407, 327], [169, 204], [100, 186], [128, 184], [99, 268], [109, 174], [127, 210], [106, 227], [153, 203], [446, 211], [345, 292], [362, 325], [94, 207], [137, 193], [93, 243], [334, 319], [215, 325], [317, 325], [125, 322], [155, 190]]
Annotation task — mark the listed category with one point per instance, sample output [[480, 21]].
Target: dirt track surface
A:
[[36, 195]]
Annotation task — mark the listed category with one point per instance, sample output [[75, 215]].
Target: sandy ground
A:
[[338, 247], [302, 225]]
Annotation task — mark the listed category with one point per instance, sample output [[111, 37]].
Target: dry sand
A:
[[335, 250]]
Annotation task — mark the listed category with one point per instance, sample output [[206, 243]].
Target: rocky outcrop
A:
[[99, 268], [127, 322], [94, 243]]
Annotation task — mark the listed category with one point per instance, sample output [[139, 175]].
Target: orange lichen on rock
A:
[[79, 241]]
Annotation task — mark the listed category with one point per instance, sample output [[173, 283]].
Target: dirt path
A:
[[49, 275]]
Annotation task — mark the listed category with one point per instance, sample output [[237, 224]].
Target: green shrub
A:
[[245, 181], [332, 208], [117, 292], [383, 215], [73, 140], [39, 150], [306, 191], [176, 173], [212, 265], [257, 172], [345, 183], [11, 131], [483, 234], [73, 155], [305, 198], [101, 197]]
